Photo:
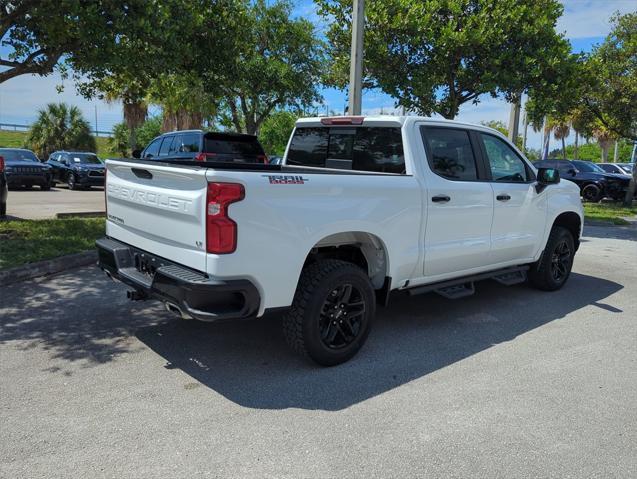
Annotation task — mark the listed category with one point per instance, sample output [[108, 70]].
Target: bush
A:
[[150, 129], [120, 140]]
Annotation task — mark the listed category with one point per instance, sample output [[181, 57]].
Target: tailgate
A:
[[158, 208]]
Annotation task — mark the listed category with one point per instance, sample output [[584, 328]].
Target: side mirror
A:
[[572, 172], [137, 153], [546, 177]]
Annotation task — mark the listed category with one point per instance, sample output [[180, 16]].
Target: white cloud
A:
[[591, 18]]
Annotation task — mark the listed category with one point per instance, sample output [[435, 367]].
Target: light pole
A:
[[356, 58]]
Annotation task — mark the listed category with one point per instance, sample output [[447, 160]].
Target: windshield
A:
[[18, 155], [628, 168], [587, 167], [84, 158]]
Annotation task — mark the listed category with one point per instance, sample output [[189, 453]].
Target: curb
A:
[[46, 267], [81, 214]]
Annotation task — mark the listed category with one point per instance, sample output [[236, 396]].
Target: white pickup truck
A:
[[360, 207]]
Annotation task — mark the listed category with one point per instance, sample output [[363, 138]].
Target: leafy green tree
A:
[[435, 55], [275, 131], [278, 65], [612, 100], [150, 129], [38, 34], [593, 152], [502, 128], [59, 127], [184, 101]]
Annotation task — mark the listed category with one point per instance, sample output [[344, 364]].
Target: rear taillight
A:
[[1, 164], [262, 159], [221, 231]]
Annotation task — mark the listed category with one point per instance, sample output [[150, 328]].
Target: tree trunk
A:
[[576, 145], [563, 148], [605, 147], [134, 115]]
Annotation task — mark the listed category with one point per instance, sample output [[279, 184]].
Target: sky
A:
[[585, 23]]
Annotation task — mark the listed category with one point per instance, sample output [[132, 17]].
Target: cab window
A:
[[450, 154], [165, 145], [152, 149], [505, 164]]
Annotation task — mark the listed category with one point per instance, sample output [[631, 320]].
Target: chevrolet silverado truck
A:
[[359, 207]]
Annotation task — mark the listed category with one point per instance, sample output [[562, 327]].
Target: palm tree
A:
[[135, 109], [59, 127], [560, 128], [604, 139]]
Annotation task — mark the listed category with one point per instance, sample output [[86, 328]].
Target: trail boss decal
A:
[[286, 179]]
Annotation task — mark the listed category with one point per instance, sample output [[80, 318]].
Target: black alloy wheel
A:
[[592, 193], [341, 317], [553, 269], [561, 261]]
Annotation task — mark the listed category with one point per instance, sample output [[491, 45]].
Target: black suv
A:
[[78, 169], [197, 145], [594, 182], [23, 168]]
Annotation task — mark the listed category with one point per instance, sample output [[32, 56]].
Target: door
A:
[[64, 170], [519, 212], [459, 204]]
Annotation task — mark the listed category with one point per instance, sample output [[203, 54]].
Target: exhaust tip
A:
[[173, 308]]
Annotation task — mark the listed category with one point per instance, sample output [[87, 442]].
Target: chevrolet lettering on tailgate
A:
[[148, 198]]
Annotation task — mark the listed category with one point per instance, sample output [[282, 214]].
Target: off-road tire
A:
[[301, 324], [541, 273]]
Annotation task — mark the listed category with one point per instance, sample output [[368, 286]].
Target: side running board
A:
[[461, 287]]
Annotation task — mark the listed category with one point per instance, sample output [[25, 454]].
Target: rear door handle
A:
[[503, 197], [440, 199]]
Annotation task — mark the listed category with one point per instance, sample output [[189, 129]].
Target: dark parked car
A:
[[197, 145], [23, 168], [77, 169], [594, 182], [3, 190], [617, 168]]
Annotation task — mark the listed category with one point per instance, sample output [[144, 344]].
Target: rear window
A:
[[378, 149], [246, 147]]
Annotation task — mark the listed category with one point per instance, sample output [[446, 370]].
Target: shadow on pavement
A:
[[78, 316], [249, 363]]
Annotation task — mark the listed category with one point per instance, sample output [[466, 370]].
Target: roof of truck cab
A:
[[389, 120]]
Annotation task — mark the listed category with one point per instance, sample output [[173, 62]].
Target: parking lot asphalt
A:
[[510, 382], [36, 204]]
